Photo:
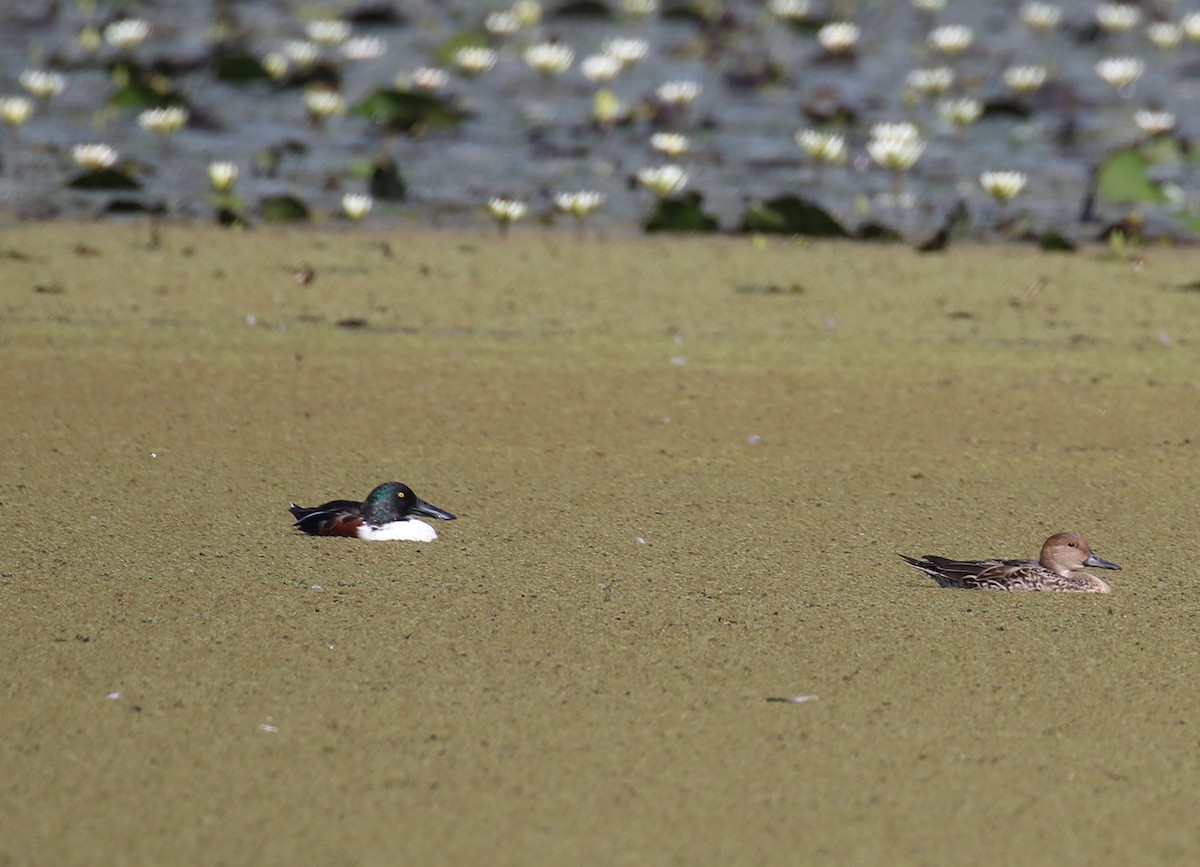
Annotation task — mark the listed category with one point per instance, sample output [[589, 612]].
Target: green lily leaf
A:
[[284, 209], [1123, 180], [681, 214], [791, 215], [405, 112]]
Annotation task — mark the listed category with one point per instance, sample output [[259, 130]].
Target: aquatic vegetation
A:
[[1121, 72], [931, 81], [357, 205], [960, 112], [95, 156], [951, 39], [1025, 79], [823, 147], [163, 122], [1003, 186], [580, 204], [549, 58], [839, 37], [791, 215], [472, 60], [100, 171], [222, 175], [1040, 16], [410, 112], [284, 209], [127, 34], [506, 211], [681, 214], [672, 144], [42, 84], [664, 181], [15, 110], [1154, 122], [1118, 17]]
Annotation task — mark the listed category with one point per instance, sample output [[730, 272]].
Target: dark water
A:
[[531, 137]]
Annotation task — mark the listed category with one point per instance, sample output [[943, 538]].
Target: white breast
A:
[[409, 530]]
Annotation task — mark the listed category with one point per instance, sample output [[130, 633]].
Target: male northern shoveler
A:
[[1060, 567], [387, 514]]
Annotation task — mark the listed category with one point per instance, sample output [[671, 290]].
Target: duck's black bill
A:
[[1099, 562], [420, 507]]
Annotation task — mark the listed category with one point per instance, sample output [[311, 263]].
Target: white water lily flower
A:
[[222, 175], [364, 48], [507, 210], [322, 103], [1118, 17], [1120, 72], [626, 50], [1040, 16], [663, 181], [1191, 26], [1154, 122], [42, 84], [15, 110], [328, 31], [1002, 186], [429, 78], [504, 23], [839, 37], [932, 81], [600, 67], [960, 112], [357, 205], [825, 147], [928, 6], [670, 143], [581, 204], [1164, 34], [163, 121], [528, 12], [474, 61], [896, 154], [901, 130], [127, 34], [1025, 79], [301, 52], [678, 92], [549, 58], [951, 39], [94, 157], [790, 10]]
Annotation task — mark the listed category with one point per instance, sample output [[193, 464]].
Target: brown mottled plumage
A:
[[1059, 568]]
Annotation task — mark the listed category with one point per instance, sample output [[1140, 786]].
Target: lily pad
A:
[[1053, 241], [583, 9], [104, 179], [284, 209], [1123, 180], [385, 182], [241, 67], [681, 214], [791, 215], [402, 111], [139, 89]]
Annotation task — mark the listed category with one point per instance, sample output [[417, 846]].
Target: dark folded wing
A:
[[335, 518]]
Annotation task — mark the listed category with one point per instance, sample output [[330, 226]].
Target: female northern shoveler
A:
[[386, 515], [1060, 567]]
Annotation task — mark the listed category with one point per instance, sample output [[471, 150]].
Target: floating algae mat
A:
[[669, 625]]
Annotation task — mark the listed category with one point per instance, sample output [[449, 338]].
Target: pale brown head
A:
[[1065, 553]]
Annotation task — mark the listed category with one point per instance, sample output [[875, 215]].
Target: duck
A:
[[1058, 568], [387, 514]]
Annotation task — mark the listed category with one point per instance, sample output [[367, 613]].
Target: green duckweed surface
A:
[[682, 470]]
